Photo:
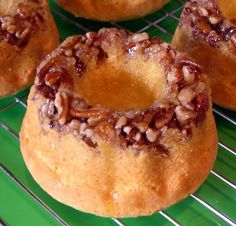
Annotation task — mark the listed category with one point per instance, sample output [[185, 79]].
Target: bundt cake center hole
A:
[[121, 89]]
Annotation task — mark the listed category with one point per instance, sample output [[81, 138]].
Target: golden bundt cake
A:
[[27, 34], [111, 10], [210, 38], [119, 124]]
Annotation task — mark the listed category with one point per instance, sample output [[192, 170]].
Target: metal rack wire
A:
[[216, 111]]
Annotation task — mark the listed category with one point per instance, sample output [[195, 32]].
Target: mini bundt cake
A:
[[119, 124], [27, 34], [211, 39], [111, 10]]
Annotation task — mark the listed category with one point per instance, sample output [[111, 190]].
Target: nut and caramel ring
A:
[[16, 29], [208, 24], [65, 110]]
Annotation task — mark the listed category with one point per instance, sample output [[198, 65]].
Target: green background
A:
[[18, 208]]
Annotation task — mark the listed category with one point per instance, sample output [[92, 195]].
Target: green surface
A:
[[18, 208]]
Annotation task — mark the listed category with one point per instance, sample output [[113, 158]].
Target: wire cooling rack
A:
[[213, 204]]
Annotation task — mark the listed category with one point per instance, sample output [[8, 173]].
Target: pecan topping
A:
[[16, 29], [163, 117], [215, 19], [90, 113], [121, 122], [65, 110], [208, 23], [152, 135], [188, 75], [80, 67], [62, 105], [89, 142], [184, 115], [52, 77], [186, 96], [127, 129]]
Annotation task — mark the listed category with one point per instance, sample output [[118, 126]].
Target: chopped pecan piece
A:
[[152, 135], [184, 115], [62, 105], [52, 77], [89, 142], [121, 122], [86, 113], [163, 117]]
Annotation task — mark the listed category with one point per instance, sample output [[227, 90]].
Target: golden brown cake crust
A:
[[110, 162], [19, 57], [111, 10], [215, 50]]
